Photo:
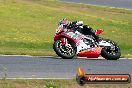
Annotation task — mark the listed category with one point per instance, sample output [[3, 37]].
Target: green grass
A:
[[27, 26], [55, 84]]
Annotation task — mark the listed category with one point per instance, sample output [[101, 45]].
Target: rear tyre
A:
[[66, 52], [110, 53]]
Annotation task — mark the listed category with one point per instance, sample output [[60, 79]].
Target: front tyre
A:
[[111, 53], [66, 52]]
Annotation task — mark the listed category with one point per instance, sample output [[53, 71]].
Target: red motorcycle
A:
[[69, 43]]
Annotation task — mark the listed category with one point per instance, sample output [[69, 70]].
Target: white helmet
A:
[[79, 23]]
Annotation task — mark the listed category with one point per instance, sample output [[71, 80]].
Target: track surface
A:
[[112, 3], [47, 67]]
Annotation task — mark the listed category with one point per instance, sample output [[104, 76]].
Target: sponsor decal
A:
[[74, 35], [83, 78]]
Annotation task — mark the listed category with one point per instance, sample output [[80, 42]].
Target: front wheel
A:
[[111, 53], [66, 52]]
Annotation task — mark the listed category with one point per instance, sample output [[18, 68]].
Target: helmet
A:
[[64, 22], [79, 23]]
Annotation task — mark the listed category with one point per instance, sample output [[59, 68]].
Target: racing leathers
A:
[[84, 29]]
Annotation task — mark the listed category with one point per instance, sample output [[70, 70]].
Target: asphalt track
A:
[[112, 3], [51, 67]]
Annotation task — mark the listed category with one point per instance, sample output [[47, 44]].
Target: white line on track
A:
[[54, 56], [38, 78]]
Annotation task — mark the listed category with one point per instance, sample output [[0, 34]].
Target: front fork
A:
[[66, 44], [64, 41]]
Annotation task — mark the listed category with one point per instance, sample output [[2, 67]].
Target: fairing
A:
[[83, 50], [91, 53]]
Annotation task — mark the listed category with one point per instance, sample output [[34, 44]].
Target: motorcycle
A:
[[69, 43]]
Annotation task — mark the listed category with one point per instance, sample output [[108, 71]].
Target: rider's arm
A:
[[88, 30]]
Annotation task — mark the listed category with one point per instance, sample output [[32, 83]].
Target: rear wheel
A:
[[66, 52], [111, 53]]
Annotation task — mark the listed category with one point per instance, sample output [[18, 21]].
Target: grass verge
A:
[[55, 84], [27, 26]]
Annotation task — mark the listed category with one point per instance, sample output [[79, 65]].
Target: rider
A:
[[85, 29]]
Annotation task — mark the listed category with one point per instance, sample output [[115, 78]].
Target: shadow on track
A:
[[75, 58]]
